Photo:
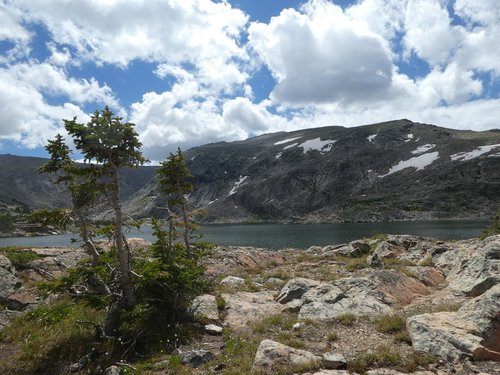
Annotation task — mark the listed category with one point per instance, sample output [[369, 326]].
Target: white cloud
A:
[[383, 17], [10, 25], [320, 56], [485, 12], [331, 66], [429, 32], [119, 31], [451, 84], [26, 116]]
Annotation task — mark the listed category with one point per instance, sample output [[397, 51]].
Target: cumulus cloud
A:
[[376, 60], [27, 117], [429, 32], [319, 55]]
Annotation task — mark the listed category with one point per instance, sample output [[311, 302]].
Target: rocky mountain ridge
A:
[[397, 170]]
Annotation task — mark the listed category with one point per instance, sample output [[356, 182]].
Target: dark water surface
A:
[[277, 236]]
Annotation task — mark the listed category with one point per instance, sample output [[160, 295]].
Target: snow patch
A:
[[463, 156], [418, 162], [409, 137], [286, 141], [371, 137], [494, 155], [423, 148], [237, 184], [278, 155], [209, 203], [318, 145], [290, 146]]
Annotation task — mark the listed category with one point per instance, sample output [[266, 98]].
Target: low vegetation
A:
[[386, 356], [391, 323], [19, 256], [493, 229]]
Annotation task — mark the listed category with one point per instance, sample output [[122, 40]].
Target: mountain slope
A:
[[21, 185], [397, 170]]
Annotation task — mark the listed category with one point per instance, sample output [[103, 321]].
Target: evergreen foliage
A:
[[493, 229], [136, 301]]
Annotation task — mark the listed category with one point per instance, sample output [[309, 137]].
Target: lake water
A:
[[277, 236]]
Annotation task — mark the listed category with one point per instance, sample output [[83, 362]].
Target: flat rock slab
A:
[[245, 308], [334, 361], [472, 331], [205, 306], [477, 268], [272, 354]]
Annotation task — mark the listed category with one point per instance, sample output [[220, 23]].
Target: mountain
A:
[[23, 188], [397, 170]]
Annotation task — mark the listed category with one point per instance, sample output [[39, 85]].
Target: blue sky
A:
[[193, 72]]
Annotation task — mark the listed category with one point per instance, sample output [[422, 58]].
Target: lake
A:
[[277, 236]]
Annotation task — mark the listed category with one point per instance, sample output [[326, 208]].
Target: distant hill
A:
[[397, 170], [21, 185]]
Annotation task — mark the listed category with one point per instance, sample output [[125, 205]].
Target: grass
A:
[[450, 307], [386, 356], [380, 237], [352, 264], [408, 272], [427, 261], [238, 354], [391, 323], [276, 322], [346, 319], [332, 336], [50, 336]]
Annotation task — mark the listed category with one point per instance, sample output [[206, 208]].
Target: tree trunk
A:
[[123, 256], [88, 245], [185, 219]]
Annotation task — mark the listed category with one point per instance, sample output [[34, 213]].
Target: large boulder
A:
[[477, 269], [272, 354], [294, 289], [351, 295], [244, 308], [473, 331], [6, 264], [204, 307], [232, 281], [355, 249], [8, 284], [375, 294], [398, 289]]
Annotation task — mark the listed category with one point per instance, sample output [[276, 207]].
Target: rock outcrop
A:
[[245, 308], [474, 330], [272, 354], [205, 307]]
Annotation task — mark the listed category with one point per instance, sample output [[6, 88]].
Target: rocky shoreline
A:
[[320, 311]]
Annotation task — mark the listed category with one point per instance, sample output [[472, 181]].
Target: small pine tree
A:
[[493, 229], [173, 179], [84, 193], [109, 145]]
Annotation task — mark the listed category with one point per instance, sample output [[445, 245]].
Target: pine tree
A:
[[83, 193], [173, 179], [108, 145]]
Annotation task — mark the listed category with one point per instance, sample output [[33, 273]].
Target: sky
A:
[[191, 72]]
